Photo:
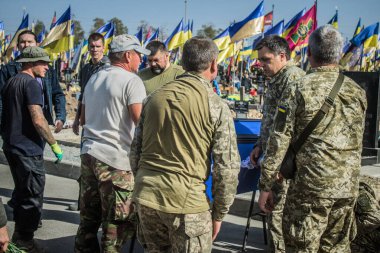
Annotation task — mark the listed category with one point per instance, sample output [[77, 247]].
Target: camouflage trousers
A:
[[175, 233], [105, 197], [276, 242], [313, 224]]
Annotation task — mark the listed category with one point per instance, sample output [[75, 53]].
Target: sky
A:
[[168, 13]]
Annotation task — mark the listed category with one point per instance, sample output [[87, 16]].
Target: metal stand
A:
[[263, 216]]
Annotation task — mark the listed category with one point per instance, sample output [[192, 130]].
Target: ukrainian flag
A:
[[230, 51], [223, 40], [278, 29], [108, 36], [154, 36], [251, 25], [23, 26], [368, 37], [58, 39], [358, 28], [289, 26], [176, 38], [2, 33], [187, 34], [41, 35], [334, 20]]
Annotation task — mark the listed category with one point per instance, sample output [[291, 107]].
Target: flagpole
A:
[[316, 13], [272, 14], [185, 10]]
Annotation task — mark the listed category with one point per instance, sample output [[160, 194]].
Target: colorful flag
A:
[[299, 35], [251, 25], [148, 33], [290, 25], [187, 34], [13, 43], [139, 36], [58, 39], [358, 28], [230, 51], [368, 37], [176, 38], [334, 20], [154, 36], [223, 40]]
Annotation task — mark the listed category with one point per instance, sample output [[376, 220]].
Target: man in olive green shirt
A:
[[160, 71], [182, 124]]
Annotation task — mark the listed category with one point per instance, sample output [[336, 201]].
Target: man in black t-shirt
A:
[[24, 130]]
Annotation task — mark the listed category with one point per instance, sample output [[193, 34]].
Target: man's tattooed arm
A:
[[40, 123]]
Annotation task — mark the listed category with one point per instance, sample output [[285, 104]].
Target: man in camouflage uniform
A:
[[274, 56], [111, 108], [319, 209], [182, 124], [367, 214]]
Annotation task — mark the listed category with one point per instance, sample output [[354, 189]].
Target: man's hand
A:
[[57, 151], [255, 154], [76, 126], [4, 239], [58, 126], [215, 228], [266, 201]]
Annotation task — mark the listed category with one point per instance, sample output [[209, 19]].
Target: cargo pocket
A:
[[197, 224], [123, 188], [37, 176]]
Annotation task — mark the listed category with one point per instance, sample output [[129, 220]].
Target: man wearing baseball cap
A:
[[111, 108], [24, 130]]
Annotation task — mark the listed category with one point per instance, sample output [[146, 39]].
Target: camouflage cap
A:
[[33, 54]]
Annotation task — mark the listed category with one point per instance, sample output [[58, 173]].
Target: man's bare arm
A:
[[40, 123]]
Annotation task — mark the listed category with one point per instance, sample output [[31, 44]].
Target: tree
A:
[[78, 32], [208, 30], [119, 26], [144, 25], [98, 22], [38, 27]]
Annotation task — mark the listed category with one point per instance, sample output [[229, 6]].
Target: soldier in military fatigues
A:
[[367, 214], [274, 55], [182, 124], [319, 209]]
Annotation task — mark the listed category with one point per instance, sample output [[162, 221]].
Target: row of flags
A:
[[238, 40]]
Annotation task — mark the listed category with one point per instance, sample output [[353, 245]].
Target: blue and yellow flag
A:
[[23, 26], [251, 25], [187, 34], [334, 20], [358, 28], [176, 38], [2, 32], [278, 29], [289, 26], [58, 39], [223, 40], [41, 35], [153, 37], [369, 37]]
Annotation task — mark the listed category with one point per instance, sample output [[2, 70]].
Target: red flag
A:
[[299, 35], [268, 18], [53, 20]]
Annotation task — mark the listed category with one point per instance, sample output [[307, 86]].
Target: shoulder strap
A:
[[329, 102]]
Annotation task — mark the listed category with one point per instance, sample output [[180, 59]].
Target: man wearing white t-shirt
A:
[[112, 104]]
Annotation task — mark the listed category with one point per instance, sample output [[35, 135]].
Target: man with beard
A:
[[160, 71]]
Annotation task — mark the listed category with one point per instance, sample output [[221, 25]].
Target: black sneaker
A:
[[40, 224]]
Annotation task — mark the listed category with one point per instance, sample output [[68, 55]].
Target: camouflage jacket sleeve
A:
[[135, 152], [367, 210], [226, 158], [279, 137], [265, 122]]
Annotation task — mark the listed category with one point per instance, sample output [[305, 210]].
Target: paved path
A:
[[60, 224]]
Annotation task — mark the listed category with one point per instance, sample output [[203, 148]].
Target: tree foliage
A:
[[119, 26], [209, 30], [38, 27], [78, 32], [98, 22]]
